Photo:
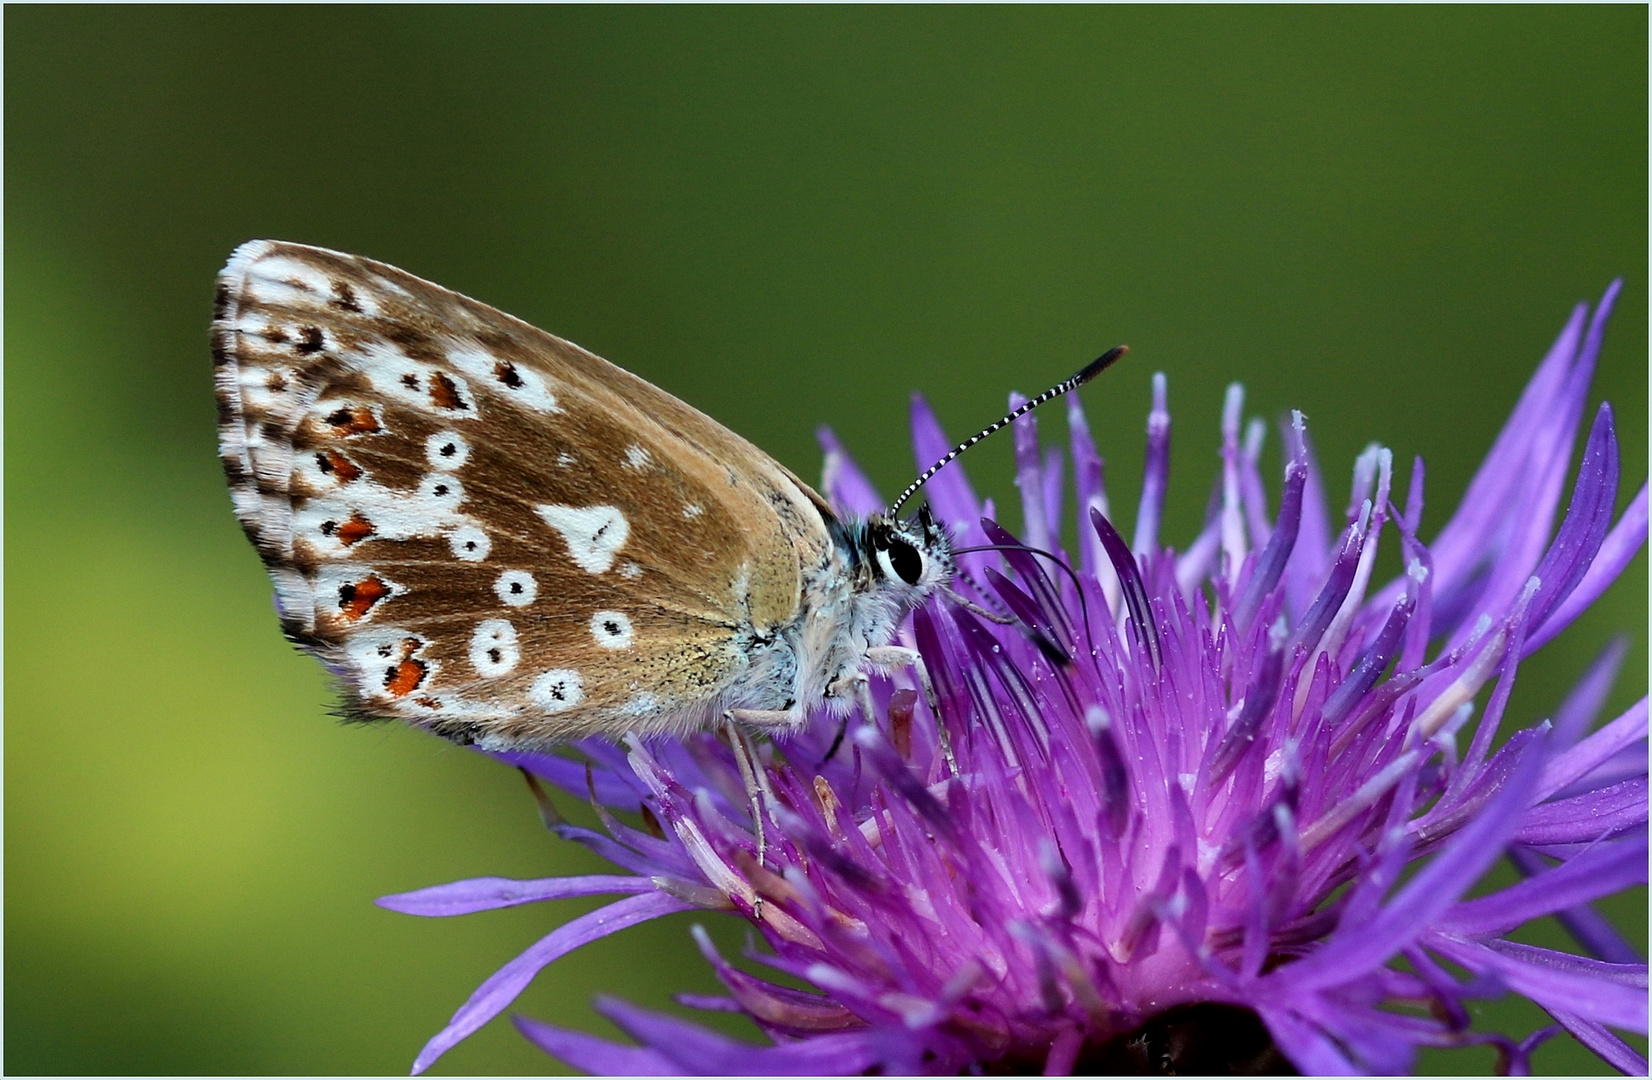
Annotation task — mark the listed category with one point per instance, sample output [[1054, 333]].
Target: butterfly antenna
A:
[[1091, 370]]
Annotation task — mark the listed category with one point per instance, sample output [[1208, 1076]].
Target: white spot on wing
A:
[[340, 585], [557, 691], [612, 630], [493, 648], [595, 534], [516, 382], [393, 373], [469, 543], [446, 450], [516, 588], [565, 459], [308, 468], [636, 457], [692, 511], [394, 514], [291, 272], [278, 279], [399, 377], [441, 492], [376, 654], [630, 570]]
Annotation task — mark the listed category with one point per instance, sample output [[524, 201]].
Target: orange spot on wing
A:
[[353, 420], [445, 393], [331, 461], [355, 530], [356, 599], [405, 677]]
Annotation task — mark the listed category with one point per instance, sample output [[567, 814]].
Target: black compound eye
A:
[[905, 560]]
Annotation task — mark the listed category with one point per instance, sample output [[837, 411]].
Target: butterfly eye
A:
[[900, 559]]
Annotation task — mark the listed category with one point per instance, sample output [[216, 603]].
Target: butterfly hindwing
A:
[[485, 529]]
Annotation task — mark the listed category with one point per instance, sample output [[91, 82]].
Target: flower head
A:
[[1162, 815]]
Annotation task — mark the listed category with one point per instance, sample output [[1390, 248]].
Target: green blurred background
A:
[[787, 217]]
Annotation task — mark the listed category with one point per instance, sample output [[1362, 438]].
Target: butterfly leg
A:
[[756, 780], [894, 657], [837, 740], [855, 683]]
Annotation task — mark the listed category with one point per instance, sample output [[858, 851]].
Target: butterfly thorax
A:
[[881, 570]]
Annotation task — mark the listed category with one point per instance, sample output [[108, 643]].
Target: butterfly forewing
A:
[[482, 528]]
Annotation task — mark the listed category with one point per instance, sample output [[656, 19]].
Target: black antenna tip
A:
[[1099, 364]]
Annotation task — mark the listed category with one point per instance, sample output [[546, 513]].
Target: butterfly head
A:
[[905, 559]]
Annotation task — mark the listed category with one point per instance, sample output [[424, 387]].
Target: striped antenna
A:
[[1091, 370]]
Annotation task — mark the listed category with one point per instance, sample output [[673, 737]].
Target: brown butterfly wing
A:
[[485, 529]]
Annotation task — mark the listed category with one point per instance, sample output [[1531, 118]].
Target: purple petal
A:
[[1271, 564], [1379, 1042], [614, 790], [1616, 1053], [1135, 592], [1598, 872], [1577, 713], [1588, 517], [1088, 483], [1620, 546], [599, 1057], [1044, 632], [1259, 699], [1612, 994], [1608, 812], [1312, 552], [1155, 473], [1310, 1049], [1329, 600], [1253, 493], [504, 985], [1586, 756], [1371, 664], [777, 1006], [485, 894], [1029, 477], [1587, 926], [1233, 522], [699, 1051], [1469, 535], [1030, 569], [1353, 950], [619, 854], [900, 777], [1054, 464]]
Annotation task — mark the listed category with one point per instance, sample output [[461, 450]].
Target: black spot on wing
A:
[[344, 296]]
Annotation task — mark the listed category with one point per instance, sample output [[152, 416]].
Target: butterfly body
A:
[[493, 534]]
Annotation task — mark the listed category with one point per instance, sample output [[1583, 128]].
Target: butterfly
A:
[[495, 535]]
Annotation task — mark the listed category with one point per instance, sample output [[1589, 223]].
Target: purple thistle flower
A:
[[1188, 787]]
